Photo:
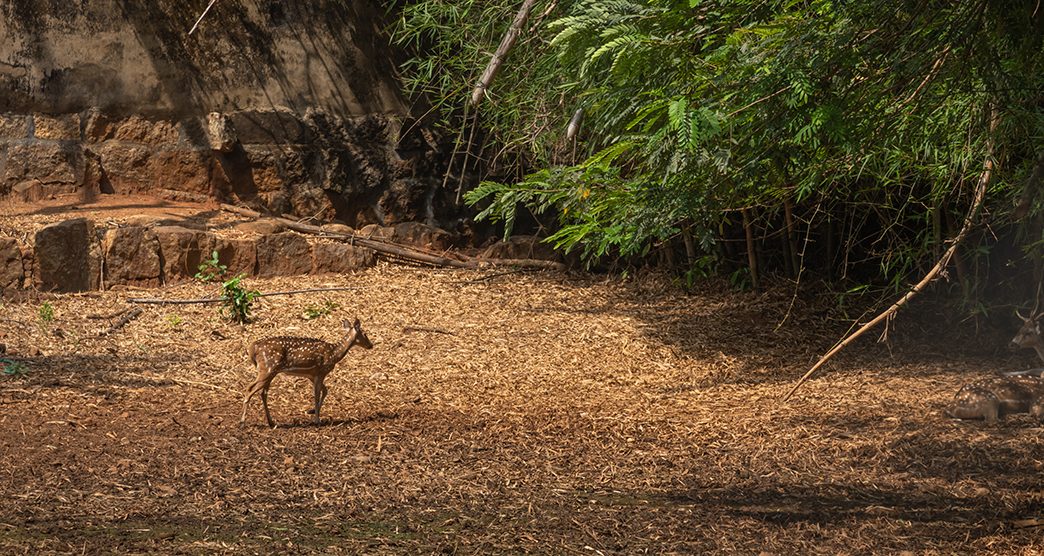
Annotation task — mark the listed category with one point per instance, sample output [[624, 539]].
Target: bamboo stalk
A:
[[752, 257], [506, 44]]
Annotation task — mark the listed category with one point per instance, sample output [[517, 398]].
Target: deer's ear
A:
[[357, 324]]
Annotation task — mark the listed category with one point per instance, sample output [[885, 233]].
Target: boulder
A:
[[422, 235], [137, 129], [63, 127], [131, 257], [181, 251], [239, 255], [340, 258], [53, 164], [337, 228], [11, 271], [376, 231], [186, 170], [220, 133], [126, 166], [29, 191], [285, 254], [521, 247], [14, 126], [62, 256]]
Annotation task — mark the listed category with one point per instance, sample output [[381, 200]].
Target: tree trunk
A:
[[752, 257]]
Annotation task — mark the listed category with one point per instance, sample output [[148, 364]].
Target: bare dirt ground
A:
[[519, 413]]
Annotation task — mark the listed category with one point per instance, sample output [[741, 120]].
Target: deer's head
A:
[[1028, 335], [360, 337]]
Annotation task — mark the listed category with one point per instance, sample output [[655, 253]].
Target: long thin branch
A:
[[969, 220], [217, 299], [202, 15], [498, 57]]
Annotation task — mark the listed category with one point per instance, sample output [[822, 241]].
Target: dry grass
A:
[[545, 413]]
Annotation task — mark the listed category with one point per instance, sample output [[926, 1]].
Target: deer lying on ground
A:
[[1013, 392], [297, 356], [993, 398]]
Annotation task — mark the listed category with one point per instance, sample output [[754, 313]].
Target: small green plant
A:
[[237, 300], [174, 321], [9, 367], [211, 269], [46, 312], [316, 311]]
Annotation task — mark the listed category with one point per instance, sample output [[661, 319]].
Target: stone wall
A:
[[287, 106], [82, 254]]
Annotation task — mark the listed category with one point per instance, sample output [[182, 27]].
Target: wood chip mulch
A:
[[534, 412]]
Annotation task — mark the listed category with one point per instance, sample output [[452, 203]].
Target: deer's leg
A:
[[264, 400], [322, 396], [319, 394], [253, 389], [991, 413]]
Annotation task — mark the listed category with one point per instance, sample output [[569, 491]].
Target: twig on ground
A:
[[131, 315], [149, 300], [411, 328]]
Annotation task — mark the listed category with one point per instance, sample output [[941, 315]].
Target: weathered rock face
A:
[[181, 251], [522, 247], [284, 254], [114, 97], [131, 257], [11, 271], [62, 255], [422, 235], [238, 255], [339, 258]]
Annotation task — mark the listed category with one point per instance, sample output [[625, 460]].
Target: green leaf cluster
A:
[[874, 116]]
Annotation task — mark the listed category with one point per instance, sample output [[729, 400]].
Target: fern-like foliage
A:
[[875, 111]]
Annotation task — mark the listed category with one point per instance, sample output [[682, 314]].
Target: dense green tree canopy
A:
[[875, 118]]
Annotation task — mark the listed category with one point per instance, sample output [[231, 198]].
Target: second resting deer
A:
[[1029, 335], [299, 356]]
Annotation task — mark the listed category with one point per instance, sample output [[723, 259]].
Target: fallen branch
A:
[[217, 299], [412, 254], [174, 301], [411, 328], [969, 220], [131, 315], [202, 15]]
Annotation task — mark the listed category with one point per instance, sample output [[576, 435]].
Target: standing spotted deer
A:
[[298, 356]]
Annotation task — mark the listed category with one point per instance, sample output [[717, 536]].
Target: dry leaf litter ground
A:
[[535, 412]]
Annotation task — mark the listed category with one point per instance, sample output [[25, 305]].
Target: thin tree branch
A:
[[969, 220], [498, 57], [202, 15]]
